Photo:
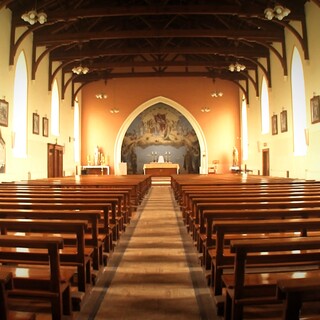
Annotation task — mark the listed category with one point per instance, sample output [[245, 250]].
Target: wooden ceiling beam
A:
[[253, 52], [251, 35]]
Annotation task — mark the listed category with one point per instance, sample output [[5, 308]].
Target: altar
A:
[[159, 169], [96, 170]]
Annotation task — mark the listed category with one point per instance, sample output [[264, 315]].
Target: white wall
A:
[[39, 98], [280, 146]]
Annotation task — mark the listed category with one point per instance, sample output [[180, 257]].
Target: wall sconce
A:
[[114, 110], [216, 94], [101, 96], [278, 12], [205, 109]]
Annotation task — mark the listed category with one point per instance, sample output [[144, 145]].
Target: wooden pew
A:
[[180, 182], [249, 286], [50, 212], [49, 282], [6, 283], [139, 184], [294, 292], [69, 205], [199, 222], [287, 192], [76, 255], [108, 223], [191, 212], [210, 217], [265, 228], [122, 210]]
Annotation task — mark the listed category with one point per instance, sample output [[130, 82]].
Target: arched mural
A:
[[160, 131]]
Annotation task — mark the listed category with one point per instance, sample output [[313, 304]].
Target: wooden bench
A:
[[50, 212], [199, 222], [266, 227], [182, 182], [254, 286], [288, 192], [76, 255], [294, 292], [138, 184], [192, 216], [109, 225], [6, 283], [69, 205], [123, 195], [210, 217], [47, 281]]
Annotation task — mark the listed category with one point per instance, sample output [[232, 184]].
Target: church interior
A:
[[169, 111]]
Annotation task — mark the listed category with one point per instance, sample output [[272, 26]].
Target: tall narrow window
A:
[[20, 99], [265, 121], [55, 110], [298, 105], [244, 129], [76, 132]]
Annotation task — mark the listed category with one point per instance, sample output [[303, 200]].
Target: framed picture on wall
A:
[[283, 121], [45, 126], [315, 109], [35, 123], [4, 111], [274, 124]]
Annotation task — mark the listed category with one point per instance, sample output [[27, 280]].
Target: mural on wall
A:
[[161, 131]]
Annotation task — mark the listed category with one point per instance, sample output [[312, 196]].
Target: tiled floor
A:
[[154, 272]]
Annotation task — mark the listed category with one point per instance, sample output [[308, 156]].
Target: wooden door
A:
[[265, 162], [55, 160]]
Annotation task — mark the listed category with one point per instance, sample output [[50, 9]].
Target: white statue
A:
[[96, 156]]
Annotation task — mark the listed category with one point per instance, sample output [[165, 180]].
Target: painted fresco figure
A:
[[133, 161]]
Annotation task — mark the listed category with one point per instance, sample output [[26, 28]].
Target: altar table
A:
[[164, 169]]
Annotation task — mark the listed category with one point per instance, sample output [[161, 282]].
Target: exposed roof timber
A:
[[251, 11], [135, 38], [92, 77], [257, 35], [89, 53]]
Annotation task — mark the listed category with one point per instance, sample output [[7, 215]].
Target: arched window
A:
[[244, 129], [76, 132], [55, 109], [298, 105], [20, 98], [265, 121]]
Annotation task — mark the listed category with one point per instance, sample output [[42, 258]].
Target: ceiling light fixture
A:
[[33, 17], [216, 94], [236, 67], [205, 109], [278, 12], [80, 70], [101, 96]]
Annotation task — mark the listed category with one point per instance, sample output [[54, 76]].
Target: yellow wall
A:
[[39, 99], [220, 126], [282, 158]]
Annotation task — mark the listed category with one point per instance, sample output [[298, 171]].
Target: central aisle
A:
[[154, 271]]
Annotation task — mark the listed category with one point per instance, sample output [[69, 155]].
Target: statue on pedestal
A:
[[96, 156], [235, 157]]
